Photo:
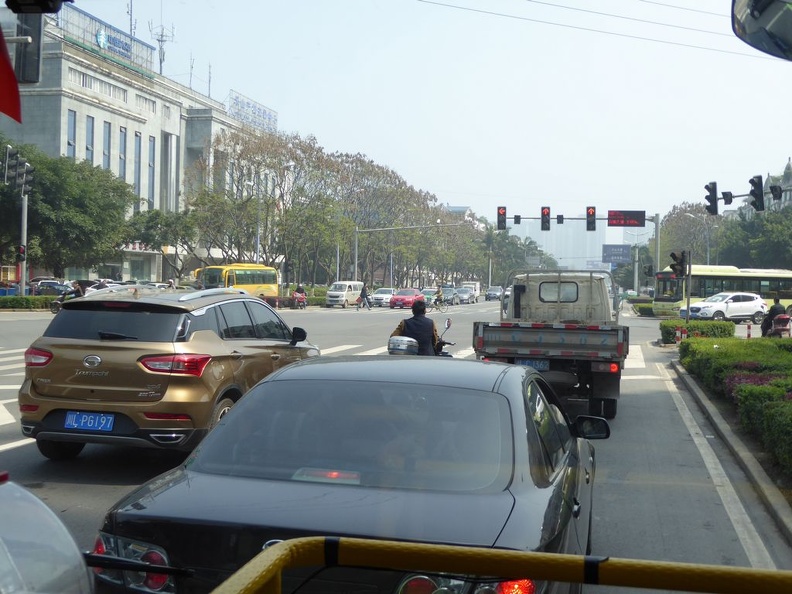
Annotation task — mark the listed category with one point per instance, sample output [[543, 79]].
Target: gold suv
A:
[[135, 365]]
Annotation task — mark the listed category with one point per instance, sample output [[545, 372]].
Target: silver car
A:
[[381, 297]]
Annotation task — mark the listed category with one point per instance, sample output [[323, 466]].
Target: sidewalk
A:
[[777, 505]]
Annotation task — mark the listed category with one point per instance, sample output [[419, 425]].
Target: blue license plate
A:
[[86, 421], [538, 364]]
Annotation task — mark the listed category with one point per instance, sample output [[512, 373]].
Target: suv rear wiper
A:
[[116, 336]]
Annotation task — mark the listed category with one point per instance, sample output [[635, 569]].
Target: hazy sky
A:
[[621, 104]]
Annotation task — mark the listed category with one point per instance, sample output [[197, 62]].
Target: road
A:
[[667, 488]]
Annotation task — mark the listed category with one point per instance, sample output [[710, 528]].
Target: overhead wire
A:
[[591, 30], [717, 14]]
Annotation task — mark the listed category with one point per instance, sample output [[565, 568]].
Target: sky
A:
[[619, 104]]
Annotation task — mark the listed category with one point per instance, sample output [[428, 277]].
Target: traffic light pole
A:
[[23, 242]]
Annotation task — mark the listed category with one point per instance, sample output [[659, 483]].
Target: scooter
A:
[[57, 303], [404, 345], [300, 300], [780, 327]]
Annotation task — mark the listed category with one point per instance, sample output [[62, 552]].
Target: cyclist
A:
[[438, 295]]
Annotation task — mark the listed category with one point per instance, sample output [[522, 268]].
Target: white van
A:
[[343, 293], [475, 286]]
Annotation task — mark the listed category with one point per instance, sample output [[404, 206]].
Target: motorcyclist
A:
[[774, 310], [76, 290], [300, 289], [420, 328]]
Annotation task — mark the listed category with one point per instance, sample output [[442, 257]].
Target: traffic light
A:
[[21, 253], [712, 198], [27, 182], [757, 192], [501, 218], [591, 218], [19, 174], [647, 270], [776, 192], [727, 198], [545, 218], [35, 6], [559, 219], [679, 267], [517, 219], [11, 159]]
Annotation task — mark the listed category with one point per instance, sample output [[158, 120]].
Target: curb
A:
[[774, 501]]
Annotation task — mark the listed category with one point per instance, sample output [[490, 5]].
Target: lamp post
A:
[[358, 231], [707, 231]]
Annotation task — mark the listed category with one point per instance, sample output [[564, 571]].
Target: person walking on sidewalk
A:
[[363, 299]]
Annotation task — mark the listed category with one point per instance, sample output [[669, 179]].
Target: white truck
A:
[[564, 324]]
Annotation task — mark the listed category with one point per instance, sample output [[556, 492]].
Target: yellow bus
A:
[[256, 279], [671, 291]]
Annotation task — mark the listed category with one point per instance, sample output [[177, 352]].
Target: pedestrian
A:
[[171, 283], [420, 328], [363, 299]]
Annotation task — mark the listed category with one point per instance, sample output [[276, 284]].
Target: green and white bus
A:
[[671, 291]]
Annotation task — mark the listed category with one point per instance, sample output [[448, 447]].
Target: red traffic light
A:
[[502, 210], [545, 211]]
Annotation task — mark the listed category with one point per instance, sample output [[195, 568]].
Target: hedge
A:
[[777, 430], [694, 328]]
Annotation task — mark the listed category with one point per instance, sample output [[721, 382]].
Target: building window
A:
[[146, 104], [122, 148], [86, 81], [89, 139], [137, 172], [166, 112], [71, 134], [106, 146], [151, 155]]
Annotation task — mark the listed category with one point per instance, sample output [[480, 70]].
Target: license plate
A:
[[538, 364], [89, 421]]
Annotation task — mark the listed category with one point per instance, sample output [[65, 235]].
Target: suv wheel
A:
[[758, 317], [718, 316], [221, 409], [59, 450]]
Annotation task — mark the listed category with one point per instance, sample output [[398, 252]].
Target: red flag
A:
[[9, 90]]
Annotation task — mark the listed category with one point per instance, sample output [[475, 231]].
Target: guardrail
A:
[[263, 573]]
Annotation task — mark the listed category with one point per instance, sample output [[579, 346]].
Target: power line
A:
[[626, 18], [590, 30], [717, 14]]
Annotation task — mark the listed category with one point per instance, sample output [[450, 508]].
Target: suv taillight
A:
[[37, 357], [182, 364]]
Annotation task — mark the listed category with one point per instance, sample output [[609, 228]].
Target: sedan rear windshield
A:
[[114, 323], [365, 433]]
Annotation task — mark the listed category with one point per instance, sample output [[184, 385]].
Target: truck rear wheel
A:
[[609, 408], [595, 407]]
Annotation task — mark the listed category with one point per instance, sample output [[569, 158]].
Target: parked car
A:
[[450, 295], [51, 288], [493, 293], [381, 297], [405, 298], [735, 307], [398, 448], [466, 295], [135, 365]]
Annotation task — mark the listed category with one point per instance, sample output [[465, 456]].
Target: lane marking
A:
[[8, 351], [17, 444], [464, 353], [641, 377], [757, 553], [377, 351], [13, 366], [635, 358], [338, 349]]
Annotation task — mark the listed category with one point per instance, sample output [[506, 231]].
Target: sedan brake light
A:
[[179, 364], [37, 357]]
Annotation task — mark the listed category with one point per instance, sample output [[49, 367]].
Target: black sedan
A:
[[422, 449]]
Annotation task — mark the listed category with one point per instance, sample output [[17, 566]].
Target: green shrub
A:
[[777, 432], [644, 310], [28, 302], [694, 328], [751, 400]]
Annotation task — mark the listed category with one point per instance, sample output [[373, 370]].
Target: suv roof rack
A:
[[209, 292]]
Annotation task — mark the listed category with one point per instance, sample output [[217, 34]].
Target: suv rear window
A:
[[133, 323]]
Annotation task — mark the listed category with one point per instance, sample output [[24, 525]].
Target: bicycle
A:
[[437, 304]]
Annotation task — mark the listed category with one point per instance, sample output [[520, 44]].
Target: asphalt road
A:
[[667, 487]]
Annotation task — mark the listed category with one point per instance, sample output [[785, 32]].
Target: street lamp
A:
[[707, 231], [635, 257]]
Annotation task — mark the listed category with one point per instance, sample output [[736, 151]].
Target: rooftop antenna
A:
[[192, 65], [131, 20], [209, 93], [161, 36]]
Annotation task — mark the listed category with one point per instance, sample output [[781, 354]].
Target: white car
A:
[[381, 297], [734, 307]]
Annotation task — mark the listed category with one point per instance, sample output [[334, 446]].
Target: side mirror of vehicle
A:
[[765, 25], [447, 323], [298, 335], [591, 427]]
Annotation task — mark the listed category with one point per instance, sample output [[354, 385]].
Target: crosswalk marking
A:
[[338, 349], [377, 351], [635, 358]]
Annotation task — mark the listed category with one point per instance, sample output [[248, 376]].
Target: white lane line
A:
[[464, 353], [9, 351], [13, 366], [16, 358], [757, 553], [6, 418], [377, 351], [635, 358], [338, 349], [17, 444], [641, 377]]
